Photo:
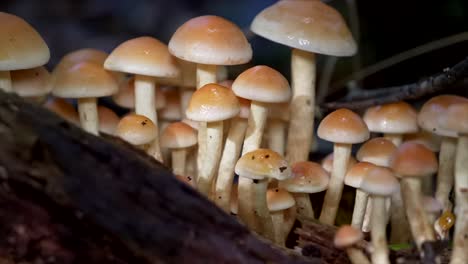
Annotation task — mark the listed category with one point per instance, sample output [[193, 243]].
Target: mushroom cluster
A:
[[244, 143]]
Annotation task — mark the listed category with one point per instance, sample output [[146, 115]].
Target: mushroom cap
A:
[[144, 56], [279, 199], [172, 110], [262, 83], [394, 118], [263, 163], [457, 118], [178, 135], [31, 82], [434, 112], [347, 236], [244, 107], [413, 160], [343, 126], [327, 162], [306, 25], [210, 40], [432, 205], [136, 129], [83, 80], [377, 151], [125, 97], [426, 138], [357, 173], [380, 181], [211, 103], [307, 177], [21, 45], [108, 120], [64, 109]]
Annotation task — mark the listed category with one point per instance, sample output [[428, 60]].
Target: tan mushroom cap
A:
[[413, 160], [171, 111], [426, 138], [307, 177], [178, 135], [327, 162], [263, 163], [347, 236], [21, 46], [136, 129], [357, 173], [143, 56], [306, 25], [64, 109], [31, 82], [83, 80], [262, 83], [213, 102], [394, 118], [377, 151], [279, 199], [457, 118], [434, 112], [380, 181], [343, 126], [210, 40], [108, 120], [189, 180], [125, 97]]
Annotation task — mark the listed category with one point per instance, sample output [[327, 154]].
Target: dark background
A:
[[387, 28]]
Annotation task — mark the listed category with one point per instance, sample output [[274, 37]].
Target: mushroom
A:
[[344, 128], [85, 81], [179, 137], [22, 48], [108, 120], [64, 109], [308, 27], [393, 120], [307, 177], [136, 129], [31, 83], [279, 201], [379, 183], [147, 58], [347, 237], [262, 85], [212, 104], [411, 162], [430, 118], [260, 165], [231, 152]]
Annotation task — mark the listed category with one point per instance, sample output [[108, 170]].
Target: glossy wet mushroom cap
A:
[[343, 126], [263, 163], [307, 177], [136, 129]]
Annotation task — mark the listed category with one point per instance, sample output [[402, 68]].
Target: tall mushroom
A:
[[279, 201], [308, 27], [344, 128], [147, 58], [262, 85], [22, 48], [411, 162], [212, 104]]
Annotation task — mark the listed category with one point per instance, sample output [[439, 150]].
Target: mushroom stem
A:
[[302, 105], [356, 256], [252, 141], [396, 139], [210, 159], [400, 232], [290, 216], [460, 243], [178, 161], [5, 81], [278, 224], [359, 210], [331, 202], [276, 135], [231, 152], [378, 235], [145, 104], [191, 163], [261, 209], [87, 108], [304, 207], [446, 169], [421, 229], [185, 95]]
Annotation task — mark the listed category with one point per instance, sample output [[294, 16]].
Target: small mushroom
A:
[[279, 200], [179, 137], [347, 237], [137, 130]]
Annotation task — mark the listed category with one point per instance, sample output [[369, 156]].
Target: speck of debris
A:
[[219, 197], [255, 181], [282, 168], [253, 157], [276, 190], [189, 178], [143, 123], [267, 156]]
